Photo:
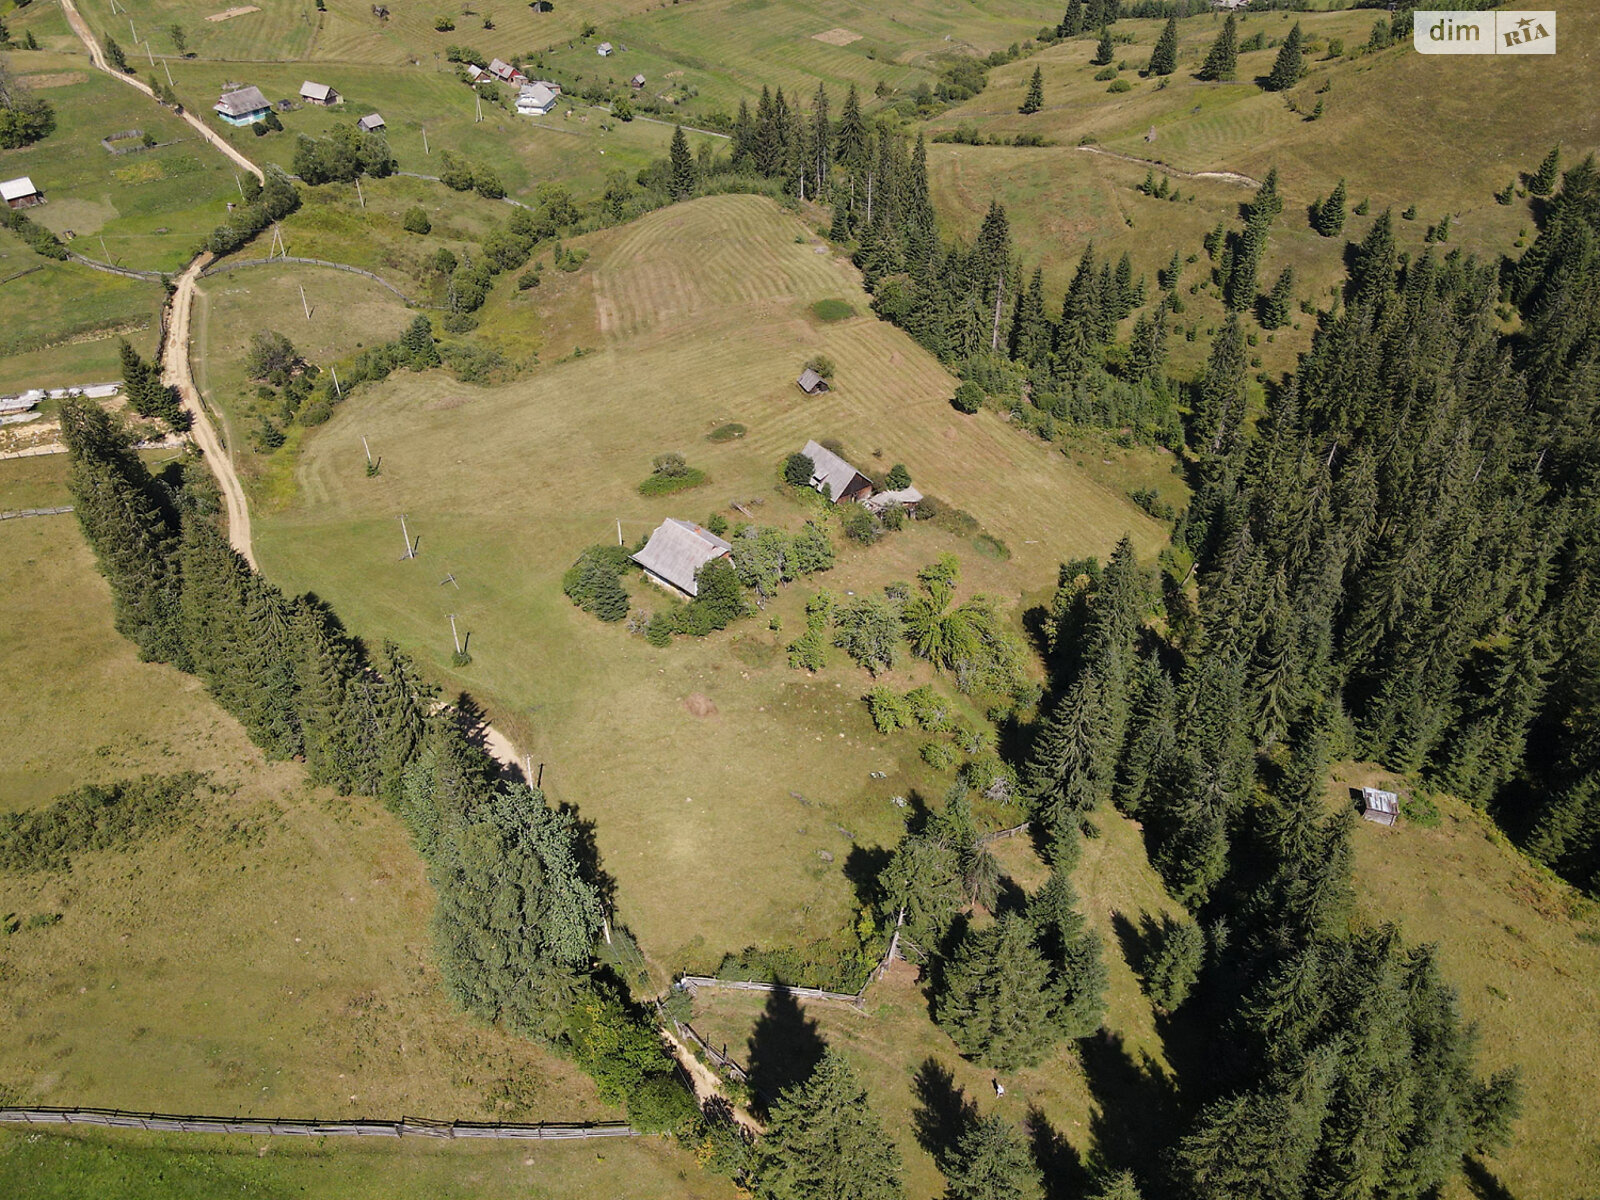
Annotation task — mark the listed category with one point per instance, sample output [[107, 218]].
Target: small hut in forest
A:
[[1380, 807]]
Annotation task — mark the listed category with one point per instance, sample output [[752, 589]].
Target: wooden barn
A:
[[1380, 807], [318, 93], [811, 383], [675, 553], [371, 123], [839, 478], [20, 193]]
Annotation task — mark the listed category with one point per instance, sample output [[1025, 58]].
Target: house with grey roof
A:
[[811, 383], [839, 478], [906, 497], [244, 106], [535, 100], [20, 193], [1380, 807], [371, 123], [675, 553], [318, 93]]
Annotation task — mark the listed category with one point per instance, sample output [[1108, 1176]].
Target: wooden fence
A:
[[319, 262], [114, 1118], [688, 1033], [34, 512], [694, 982]]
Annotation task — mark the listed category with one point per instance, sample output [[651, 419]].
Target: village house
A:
[[604, 49], [318, 93], [675, 553], [371, 123], [20, 193], [811, 383], [244, 106], [835, 478], [535, 100], [506, 73], [1380, 807], [636, 82]]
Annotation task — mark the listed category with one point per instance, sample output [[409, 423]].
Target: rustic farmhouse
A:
[[245, 106], [811, 383], [371, 123], [506, 72], [20, 193], [842, 481], [535, 100], [1380, 807], [636, 82], [675, 553], [318, 93]]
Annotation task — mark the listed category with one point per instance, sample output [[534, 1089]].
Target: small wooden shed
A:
[[20, 193], [811, 383], [1380, 807], [371, 123], [318, 93]]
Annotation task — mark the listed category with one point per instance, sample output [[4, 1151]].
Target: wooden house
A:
[[1380, 807], [636, 82], [675, 553], [245, 106], [811, 383], [20, 193], [371, 123], [839, 478]]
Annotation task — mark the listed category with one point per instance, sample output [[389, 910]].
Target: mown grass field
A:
[[269, 954], [1096, 1097], [719, 828], [151, 207], [1524, 951], [135, 1166]]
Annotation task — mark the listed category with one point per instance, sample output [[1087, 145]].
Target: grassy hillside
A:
[[690, 318], [1524, 950]]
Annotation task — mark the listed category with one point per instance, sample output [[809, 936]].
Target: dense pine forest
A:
[[1394, 558]]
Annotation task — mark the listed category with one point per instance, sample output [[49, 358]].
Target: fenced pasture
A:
[[1091, 1100], [62, 320], [691, 317], [1522, 948], [270, 954], [152, 208], [280, 30]]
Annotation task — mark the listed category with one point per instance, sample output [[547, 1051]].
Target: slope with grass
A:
[[725, 823], [1524, 951]]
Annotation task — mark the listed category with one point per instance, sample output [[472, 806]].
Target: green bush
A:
[[930, 710], [888, 709], [798, 470], [1120, 85], [860, 525], [416, 220], [941, 756], [665, 485], [93, 818], [1104, 74], [593, 582], [968, 397]]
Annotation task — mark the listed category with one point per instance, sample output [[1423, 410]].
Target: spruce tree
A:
[[995, 1003], [1071, 21], [1222, 60], [1078, 974], [1104, 50], [683, 168], [1276, 309], [1034, 100], [991, 1161], [1164, 58], [824, 1141], [852, 142], [1219, 406], [114, 55], [1330, 212], [1290, 64], [1543, 181]]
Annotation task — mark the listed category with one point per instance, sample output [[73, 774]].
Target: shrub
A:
[[717, 524], [1120, 85], [528, 280], [860, 525], [968, 397], [798, 470], [593, 584], [665, 485], [888, 709], [899, 478], [1105, 73], [831, 310], [821, 364], [929, 709], [941, 756], [416, 220], [443, 24]]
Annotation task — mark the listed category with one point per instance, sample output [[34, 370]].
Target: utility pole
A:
[[453, 635], [151, 54], [367, 448], [340, 391], [240, 184], [406, 533], [359, 196], [166, 68], [479, 96], [619, 531], [133, 31], [425, 149], [106, 252], [303, 303]]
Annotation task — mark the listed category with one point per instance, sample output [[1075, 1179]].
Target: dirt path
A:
[[1225, 176], [706, 1083], [81, 28], [175, 371]]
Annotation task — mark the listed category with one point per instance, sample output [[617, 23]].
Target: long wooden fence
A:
[[694, 982], [34, 512], [116, 1118]]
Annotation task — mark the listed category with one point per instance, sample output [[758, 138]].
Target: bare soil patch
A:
[[700, 705], [228, 14], [836, 37], [52, 79]]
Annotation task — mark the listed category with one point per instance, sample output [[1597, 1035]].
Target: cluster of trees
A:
[[466, 175], [594, 582], [520, 899], [41, 239], [147, 395], [24, 118], [267, 202], [29, 42], [342, 156]]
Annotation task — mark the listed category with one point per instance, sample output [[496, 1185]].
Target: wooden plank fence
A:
[[34, 512], [692, 982], [688, 1033], [114, 1118]]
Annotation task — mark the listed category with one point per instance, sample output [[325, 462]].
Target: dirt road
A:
[[98, 58], [1225, 176]]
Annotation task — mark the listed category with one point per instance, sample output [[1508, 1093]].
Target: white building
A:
[[535, 100]]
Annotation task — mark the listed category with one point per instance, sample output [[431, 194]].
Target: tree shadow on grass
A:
[[785, 1046], [943, 1111], [1057, 1159], [1483, 1183], [1136, 1104]]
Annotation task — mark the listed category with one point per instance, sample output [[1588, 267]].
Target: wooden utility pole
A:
[[479, 96], [151, 54], [406, 533], [167, 69], [619, 531], [453, 635], [240, 184], [133, 31], [364, 445], [303, 303], [103, 249], [359, 196], [334, 371], [425, 149]]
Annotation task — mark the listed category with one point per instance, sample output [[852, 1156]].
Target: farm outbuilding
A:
[[676, 551], [1380, 807], [811, 383], [828, 470], [318, 93], [243, 106], [906, 497], [636, 82], [506, 72], [371, 123], [604, 49], [20, 193]]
